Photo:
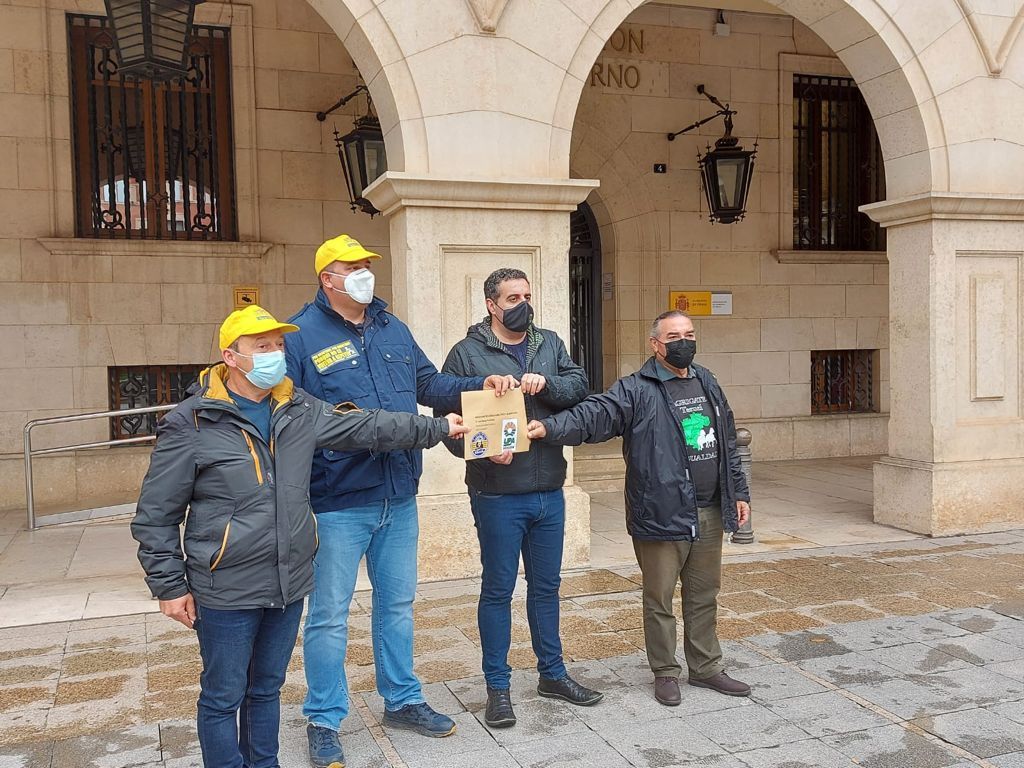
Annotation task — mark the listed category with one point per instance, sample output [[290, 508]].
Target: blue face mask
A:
[[268, 369]]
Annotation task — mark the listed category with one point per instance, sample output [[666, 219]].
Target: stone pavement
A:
[[885, 655]]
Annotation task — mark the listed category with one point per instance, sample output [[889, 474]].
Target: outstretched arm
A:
[[345, 427]]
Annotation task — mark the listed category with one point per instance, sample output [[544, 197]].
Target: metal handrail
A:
[[29, 452]]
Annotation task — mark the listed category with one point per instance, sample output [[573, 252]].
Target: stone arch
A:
[[369, 40], [874, 49], [631, 234]]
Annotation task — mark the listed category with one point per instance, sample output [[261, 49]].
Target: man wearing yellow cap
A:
[[236, 456], [350, 348]]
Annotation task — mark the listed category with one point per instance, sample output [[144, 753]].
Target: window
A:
[[140, 386], [837, 167], [843, 381], [153, 160]]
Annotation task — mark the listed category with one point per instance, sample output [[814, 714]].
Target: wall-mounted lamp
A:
[[361, 151], [726, 170]]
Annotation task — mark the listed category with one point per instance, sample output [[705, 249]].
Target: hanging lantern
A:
[[152, 36], [727, 170], [362, 153], [363, 160]]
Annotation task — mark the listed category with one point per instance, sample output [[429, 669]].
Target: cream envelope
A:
[[496, 424]]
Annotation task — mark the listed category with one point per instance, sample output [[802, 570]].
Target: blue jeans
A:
[[509, 524], [387, 533], [245, 658]]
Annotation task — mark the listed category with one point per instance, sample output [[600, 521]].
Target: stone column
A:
[[956, 430], [447, 235]]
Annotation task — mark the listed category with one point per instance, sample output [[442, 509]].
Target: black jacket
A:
[[250, 534], [661, 502], [542, 468]]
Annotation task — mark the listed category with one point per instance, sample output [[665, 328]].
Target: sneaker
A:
[[324, 747], [499, 713], [421, 719], [569, 690]]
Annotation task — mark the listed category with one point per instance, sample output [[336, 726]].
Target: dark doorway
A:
[[585, 295]]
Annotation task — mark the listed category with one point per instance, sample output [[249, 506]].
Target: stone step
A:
[[603, 468]]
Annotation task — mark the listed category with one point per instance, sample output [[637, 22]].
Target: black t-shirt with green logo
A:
[[697, 423]]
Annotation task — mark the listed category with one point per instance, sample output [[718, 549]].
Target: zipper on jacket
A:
[[255, 458], [686, 459], [223, 548]]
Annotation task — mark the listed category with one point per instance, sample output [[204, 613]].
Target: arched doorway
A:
[[585, 294]]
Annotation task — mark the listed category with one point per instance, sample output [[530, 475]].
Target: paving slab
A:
[[827, 714], [417, 750], [1013, 760], [802, 754], [753, 727], [662, 743], [936, 694], [980, 731], [576, 750], [892, 747], [538, 719], [779, 681], [979, 649], [976, 619], [916, 658], [849, 669], [800, 646]]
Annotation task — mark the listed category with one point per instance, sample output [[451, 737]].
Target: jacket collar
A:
[[483, 328], [652, 369], [373, 309], [214, 392]]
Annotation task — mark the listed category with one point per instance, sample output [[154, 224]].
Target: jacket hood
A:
[[212, 385], [373, 309]]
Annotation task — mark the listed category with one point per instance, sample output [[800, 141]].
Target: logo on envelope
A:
[[509, 434], [479, 443]]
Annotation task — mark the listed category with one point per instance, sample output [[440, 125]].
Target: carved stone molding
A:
[[995, 34], [946, 205], [487, 13]]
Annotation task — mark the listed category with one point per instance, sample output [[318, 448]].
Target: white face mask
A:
[[358, 285]]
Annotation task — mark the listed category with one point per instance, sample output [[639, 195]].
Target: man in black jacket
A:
[[684, 487], [517, 500]]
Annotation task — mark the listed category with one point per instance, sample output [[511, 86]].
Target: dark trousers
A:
[[507, 525], [697, 566], [245, 657]]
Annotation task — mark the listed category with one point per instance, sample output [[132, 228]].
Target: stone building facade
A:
[[501, 117]]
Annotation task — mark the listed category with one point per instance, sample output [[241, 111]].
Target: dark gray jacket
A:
[[661, 502], [542, 468], [250, 534]]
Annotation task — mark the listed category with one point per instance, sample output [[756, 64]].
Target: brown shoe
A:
[[666, 691], [723, 684]]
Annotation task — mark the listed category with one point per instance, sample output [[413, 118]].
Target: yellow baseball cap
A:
[[250, 321], [341, 248]]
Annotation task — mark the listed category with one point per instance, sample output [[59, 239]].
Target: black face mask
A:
[[679, 353], [518, 318]]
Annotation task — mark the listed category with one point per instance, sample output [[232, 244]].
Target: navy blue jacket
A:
[[381, 368]]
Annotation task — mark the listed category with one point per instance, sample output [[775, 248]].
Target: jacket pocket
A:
[[248, 536], [348, 381], [399, 363], [346, 471]]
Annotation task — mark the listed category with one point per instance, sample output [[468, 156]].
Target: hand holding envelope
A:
[[494, 424]]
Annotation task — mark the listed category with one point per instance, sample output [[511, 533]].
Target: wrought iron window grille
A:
[[843, 381], [153, 159], [837, 167], [141, 386]]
